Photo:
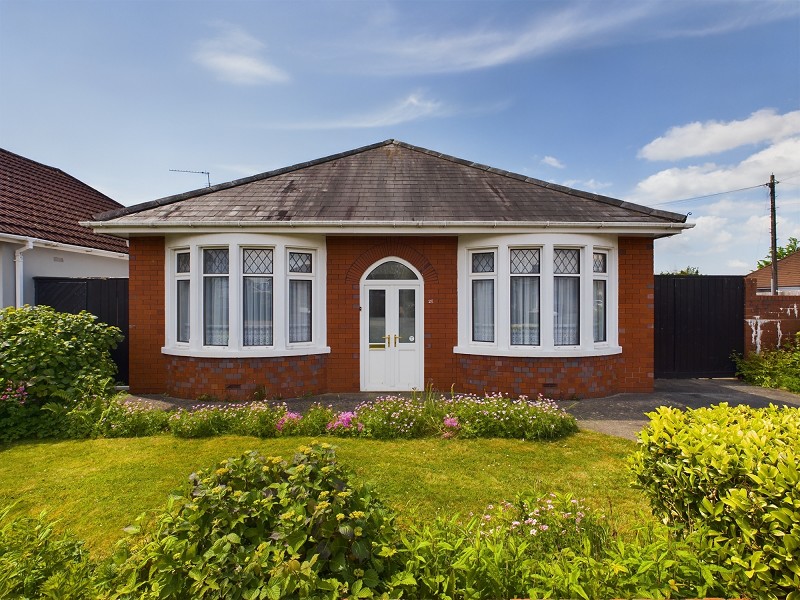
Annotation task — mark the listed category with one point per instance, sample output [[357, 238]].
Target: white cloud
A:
[[697, 180], [234, 56], [712, 137], [413, 107], [552, 161]]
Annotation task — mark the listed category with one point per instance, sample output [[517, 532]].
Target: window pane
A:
[[257, 311], [566, 330], [599, 262], [215, 261], [183, 259], [183, 310], [525, 311], [483, 262], [299, 262], [257, 261], [566, 261], [377, 317], [215, 311], [600, 311], [525, 261], [407, 316], [392, 270], [299, 310], [483, 310]]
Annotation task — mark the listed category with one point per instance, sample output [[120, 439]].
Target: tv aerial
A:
[[206, 173]]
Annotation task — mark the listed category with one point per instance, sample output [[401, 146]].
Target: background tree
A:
[[793, 245], [685, 271]]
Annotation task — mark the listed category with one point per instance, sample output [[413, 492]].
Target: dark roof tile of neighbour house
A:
[[45, 203], [788, 273], [387, 182]]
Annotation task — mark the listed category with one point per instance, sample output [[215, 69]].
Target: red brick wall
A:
[[146, 315], [348, 259], [243, 378], [636, 366], [768, 320]]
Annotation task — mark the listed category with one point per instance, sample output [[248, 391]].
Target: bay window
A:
[[252, 295], [508, 293]]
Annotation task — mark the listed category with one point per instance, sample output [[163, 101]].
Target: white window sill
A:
[[537, 352], [222, 352]]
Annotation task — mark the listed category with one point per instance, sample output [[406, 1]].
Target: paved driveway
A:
[[623, 415]]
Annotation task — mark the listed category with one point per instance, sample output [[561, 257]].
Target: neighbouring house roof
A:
[[41, 202], [788, 273], [389, 183]]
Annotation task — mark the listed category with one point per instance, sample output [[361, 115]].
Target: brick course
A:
[[769, 321]]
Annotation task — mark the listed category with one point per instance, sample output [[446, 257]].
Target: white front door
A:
[[391, 335]]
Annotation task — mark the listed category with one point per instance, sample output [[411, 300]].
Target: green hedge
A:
[[727, 478]]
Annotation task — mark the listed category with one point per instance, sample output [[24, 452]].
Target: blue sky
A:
[[640, 100]]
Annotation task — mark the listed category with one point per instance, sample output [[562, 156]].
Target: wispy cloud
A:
[[552, 161], [555, 27], [235, 56], [712, 137], [588, 185], [414, 107]]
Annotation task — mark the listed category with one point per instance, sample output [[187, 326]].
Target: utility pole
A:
[[773, 223]]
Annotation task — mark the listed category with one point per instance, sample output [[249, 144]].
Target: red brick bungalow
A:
[[387, 268]]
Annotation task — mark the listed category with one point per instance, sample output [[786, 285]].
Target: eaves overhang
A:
[[124, 229]]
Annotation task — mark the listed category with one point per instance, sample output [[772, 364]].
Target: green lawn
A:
[[97, 487]]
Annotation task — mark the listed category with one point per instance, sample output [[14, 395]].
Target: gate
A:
[[699, 324], [107, 299]]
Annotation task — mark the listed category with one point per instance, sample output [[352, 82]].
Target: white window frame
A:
[[483, 276], [546, 243], [536, 276], [181, 277], [600, 276], [281, 245], [296, 276], [243, 276]]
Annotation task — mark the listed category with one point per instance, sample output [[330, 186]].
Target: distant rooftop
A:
[[788, 273], [43, 202]]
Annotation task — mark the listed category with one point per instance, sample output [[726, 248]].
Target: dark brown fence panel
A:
[[698, 325], [105, 298]]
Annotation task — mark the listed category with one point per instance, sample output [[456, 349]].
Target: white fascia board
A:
[[160, 227], [40, 243]]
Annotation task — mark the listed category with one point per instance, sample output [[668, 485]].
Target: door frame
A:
[[363, 340]]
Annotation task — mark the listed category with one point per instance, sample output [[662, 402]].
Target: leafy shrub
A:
[[392, 417], [122, 419], [314, 421], [772, 368], [21, 418], [265, 527], [35, 562], [52, 352], [728, 479]]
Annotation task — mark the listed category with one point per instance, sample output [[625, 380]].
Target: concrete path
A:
[[624, 415]]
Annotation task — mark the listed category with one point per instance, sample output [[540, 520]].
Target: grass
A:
[[95, 488]]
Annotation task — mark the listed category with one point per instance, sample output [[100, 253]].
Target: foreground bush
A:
[[35, 562], [260, 527], [772, 368], [50, 359], [728, 479]]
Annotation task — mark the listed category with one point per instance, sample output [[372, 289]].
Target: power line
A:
[[752, 187]]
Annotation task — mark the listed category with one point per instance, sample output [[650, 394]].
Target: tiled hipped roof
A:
[[788, 273], [387, 182], [43, 202]]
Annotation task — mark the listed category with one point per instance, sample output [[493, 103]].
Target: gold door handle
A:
[[388, 339], [396, 337]]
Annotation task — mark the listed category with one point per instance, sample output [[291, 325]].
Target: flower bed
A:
[[385, 418]]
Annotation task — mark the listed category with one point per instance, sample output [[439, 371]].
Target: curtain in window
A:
[[183, 310], [483, 310], [299, 310], [566, 330], [215, 311], [599, 310], [257, 310], [525, 311]]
